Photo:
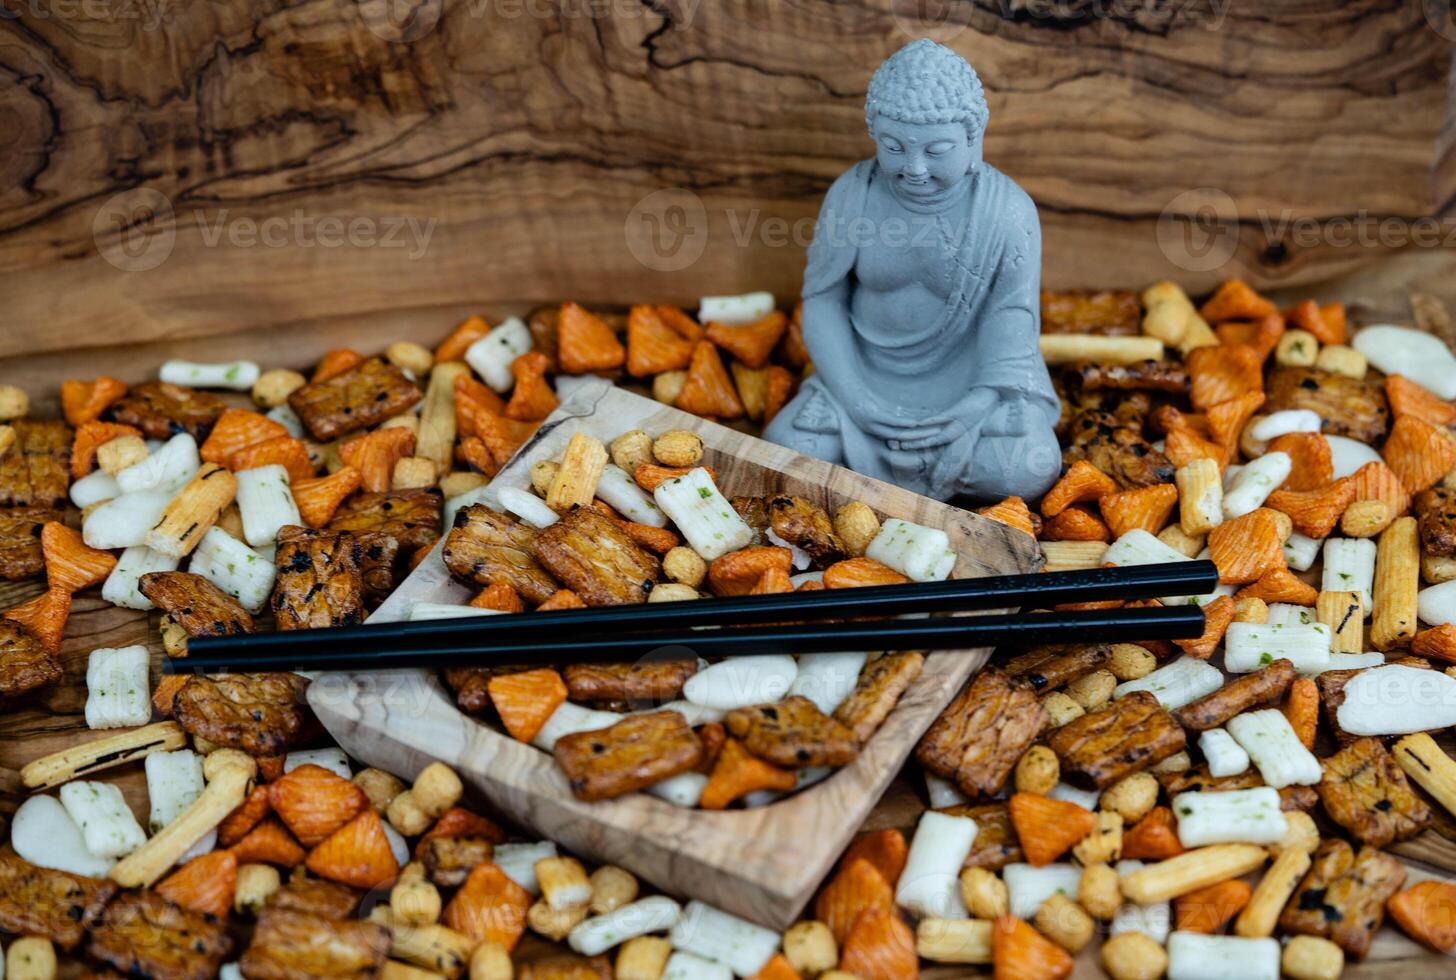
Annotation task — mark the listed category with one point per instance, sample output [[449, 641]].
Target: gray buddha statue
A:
[[921, 307]]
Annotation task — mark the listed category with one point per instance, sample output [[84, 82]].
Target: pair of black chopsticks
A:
[[800, 622]]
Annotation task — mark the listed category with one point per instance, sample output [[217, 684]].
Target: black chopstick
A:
[[486, 633], [943, 633]]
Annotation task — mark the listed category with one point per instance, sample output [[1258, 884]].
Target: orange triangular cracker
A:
[[860, 573], [70, 564], [285, 451], [1075, 524], [751, 343], [1246, 547], [1262, 334], [1153, 838], [335, 363], [1183, 445], [499, 596], [237, 429], [525, 700], [585, 343], [1223, 372], [167, 687], [532, 398], [1309, 315], [1226, 420], [269, 843], [737, 773], [314, 802], [1013, 512], [84, 401], [1409, 398], [1145, 508], [1427, 913], [1437, 643], [1315, 512], [1019, 952], [772, 582], [453, 347], [778, 967], [204, 884], [357, 854], [1216, 618], [317, 499], [489, 907], [858, 885], [1311, 462], [245, 816], [1376, 481], [653, 346], [91, 436], [375, 454], [43, 617], [1235, 300], [1280, 585], [778, 387], [561, 599], [708, 390], [473, 452], [1207, 910], [503, 436], [1419, 453], [1082, 483], [880, 946], [885, 849], [472, 401], [1048, 828]]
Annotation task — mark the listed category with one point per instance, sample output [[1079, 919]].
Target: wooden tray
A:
[[763, 864]]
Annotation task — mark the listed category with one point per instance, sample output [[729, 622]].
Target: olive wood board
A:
[[764, 863]]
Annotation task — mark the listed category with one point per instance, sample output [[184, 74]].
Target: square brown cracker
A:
[[1111, 313], [635, 753], [486, 546], [806, 526], [320, 579], [141, 934], [25, 664], [1343, 896], [996, 844], [36, 470], [315, 896], [411, 517], [1238, 695], [646, 680], [1364, 791], [43, 902], [1435, 509], [1348, 407], [161, 410], [1047, 668], [449, 860], [979, 737], [880, 684], [1127, 736], [195, 604], [793, 734], [20, 551], [360, 398], [261, 714], [289, 945], [593, 557]]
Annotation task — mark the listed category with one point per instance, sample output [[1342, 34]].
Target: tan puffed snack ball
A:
[[554, 924], [381, 787], [461, 481], [810, 948], [1297, 348], [1093, 690], [684, 566], [1065, 923], [642, 958], [31, 958], [273, 387], [1100, 891], [985, 894], [1062, 709], [406, 816], [1131, 797], [672, 592], [543, 474], [631, 449], [437, 789], [668, 385], [255, 883], [410, 356], [1104, 844], [1037, 771], [117, 454], [612, 887], [1130, 662], [415, 901], [856, 525], [1366, 518], [678, 448], [1312, 958], [1185, 544], [14, 403], [1134, 956], [490, 961]]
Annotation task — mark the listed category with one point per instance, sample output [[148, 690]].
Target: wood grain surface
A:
[[176, 172]]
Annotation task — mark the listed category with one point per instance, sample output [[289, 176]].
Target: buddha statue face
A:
[[925, 160]]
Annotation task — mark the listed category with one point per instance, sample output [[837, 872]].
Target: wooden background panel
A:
[[529, 143]]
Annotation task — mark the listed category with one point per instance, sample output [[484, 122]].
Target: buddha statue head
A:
[[927, 114]]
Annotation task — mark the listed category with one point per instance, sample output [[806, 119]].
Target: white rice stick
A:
[[1195, 956], [93, 488], [684, 790], [1027, 887], [1436, 604], [1251, 646], [920, 553], [1175, 684], [518, 861], [527, 506], [715, 935], [1275, 749], [1414, 354], [1395, 699], [1254, 484], [569, 718], [1355, 661], [1224, 756], [929, 887], [43, 833], [707, 521], [445, 610], [827, 678], [1138, 547], [1300, 551], [285, 416], [398, 846], [618, 489], [1277, 424], [332, 759], [682, 965], [1288, 614], [600, 933], [943, 792], [266, 503], [1348, 455], [174, 782], [232, 375], [739, 682], [167, 470], [1154, 919], [235, 568], [123, 521], [1350, 567], [117, 693], [1084, 798], [1230, 474], [491, 355], [735, 311], [1240, 816], [107, 823]]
